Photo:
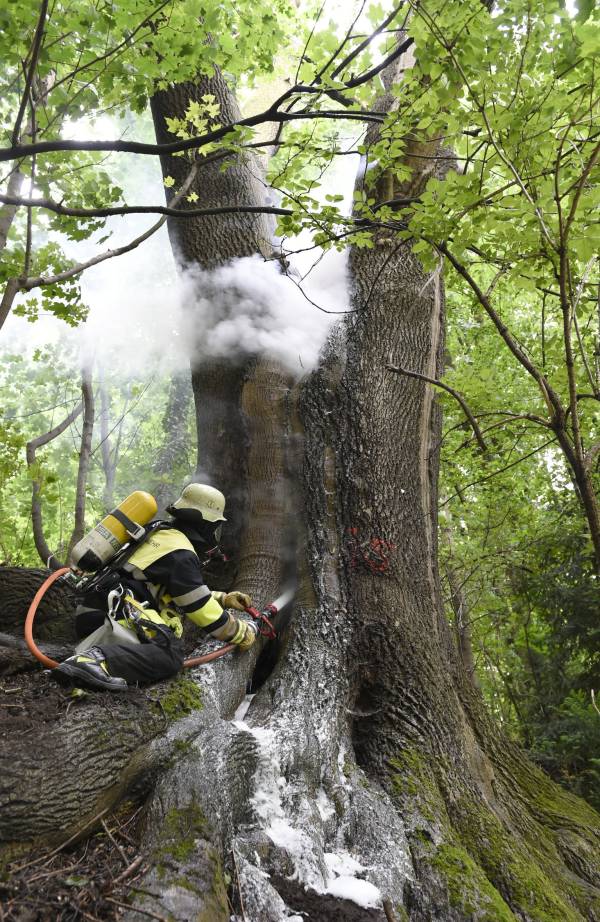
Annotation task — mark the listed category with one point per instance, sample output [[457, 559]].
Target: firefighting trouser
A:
[[145, 662]]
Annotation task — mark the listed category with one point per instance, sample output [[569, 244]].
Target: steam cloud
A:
[[249, 307], [148, 317]]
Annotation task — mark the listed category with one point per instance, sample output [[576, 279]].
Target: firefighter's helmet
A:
[[199, 497]]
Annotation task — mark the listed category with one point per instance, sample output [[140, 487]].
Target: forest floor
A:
[[92, 879], [89, 879], [29, 700]]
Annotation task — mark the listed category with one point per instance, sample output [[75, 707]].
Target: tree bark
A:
[[367, 735], [85, 452], [201, 246]]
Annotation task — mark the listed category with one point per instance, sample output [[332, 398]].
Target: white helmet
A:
[[199, 497]]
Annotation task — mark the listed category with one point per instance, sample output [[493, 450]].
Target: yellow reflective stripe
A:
[[207, 614], [240, 633], [165, 618], [161, 542]]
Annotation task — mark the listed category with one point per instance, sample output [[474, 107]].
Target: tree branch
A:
[[446, 387], [550, 396], [17, 151], [500, 470], [367, 41], [46, 555], [40, 280], [50, 205], [35, 53]]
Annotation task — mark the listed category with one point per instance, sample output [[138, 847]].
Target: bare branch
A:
[[35, 53], [46, 555]]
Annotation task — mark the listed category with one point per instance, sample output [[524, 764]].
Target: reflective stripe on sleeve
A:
[[195, 597]]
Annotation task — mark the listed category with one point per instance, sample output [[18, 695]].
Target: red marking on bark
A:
[[373, 554]]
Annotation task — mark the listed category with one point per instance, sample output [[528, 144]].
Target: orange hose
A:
[[51, 663], [45, 660], [200, 660]]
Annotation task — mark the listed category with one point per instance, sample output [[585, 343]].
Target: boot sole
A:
[[67, 674]]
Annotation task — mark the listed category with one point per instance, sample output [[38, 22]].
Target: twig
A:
[[446, 387], [129, 870], [594, 701], [389, 912], [237, 875], [59, 848], [35, 53], [115, 843], [88, 915], [144, 912]]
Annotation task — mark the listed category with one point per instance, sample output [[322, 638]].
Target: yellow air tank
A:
[[117, 528]]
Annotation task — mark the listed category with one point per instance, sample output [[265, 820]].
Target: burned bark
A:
[[201, 246]]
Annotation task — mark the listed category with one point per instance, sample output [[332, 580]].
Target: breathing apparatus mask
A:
[[200, 531]]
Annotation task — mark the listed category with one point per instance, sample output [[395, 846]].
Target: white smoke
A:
[[249, 307], [145, 316]]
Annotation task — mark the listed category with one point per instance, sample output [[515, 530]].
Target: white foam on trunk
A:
[[269, 801]]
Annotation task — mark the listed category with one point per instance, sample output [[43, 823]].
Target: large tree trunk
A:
[[367, 738], [203, 246]]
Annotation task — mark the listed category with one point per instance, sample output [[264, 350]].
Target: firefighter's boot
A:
[[89, 669]]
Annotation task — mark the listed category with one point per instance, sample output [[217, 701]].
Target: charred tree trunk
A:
[[206, 245]]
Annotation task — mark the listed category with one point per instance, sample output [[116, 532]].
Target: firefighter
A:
[[161, 581]]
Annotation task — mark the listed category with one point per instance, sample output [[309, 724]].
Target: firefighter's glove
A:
[[237, 631], [245, 635], [238, 600]]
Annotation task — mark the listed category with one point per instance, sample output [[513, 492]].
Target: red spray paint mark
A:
[[373, 554]]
